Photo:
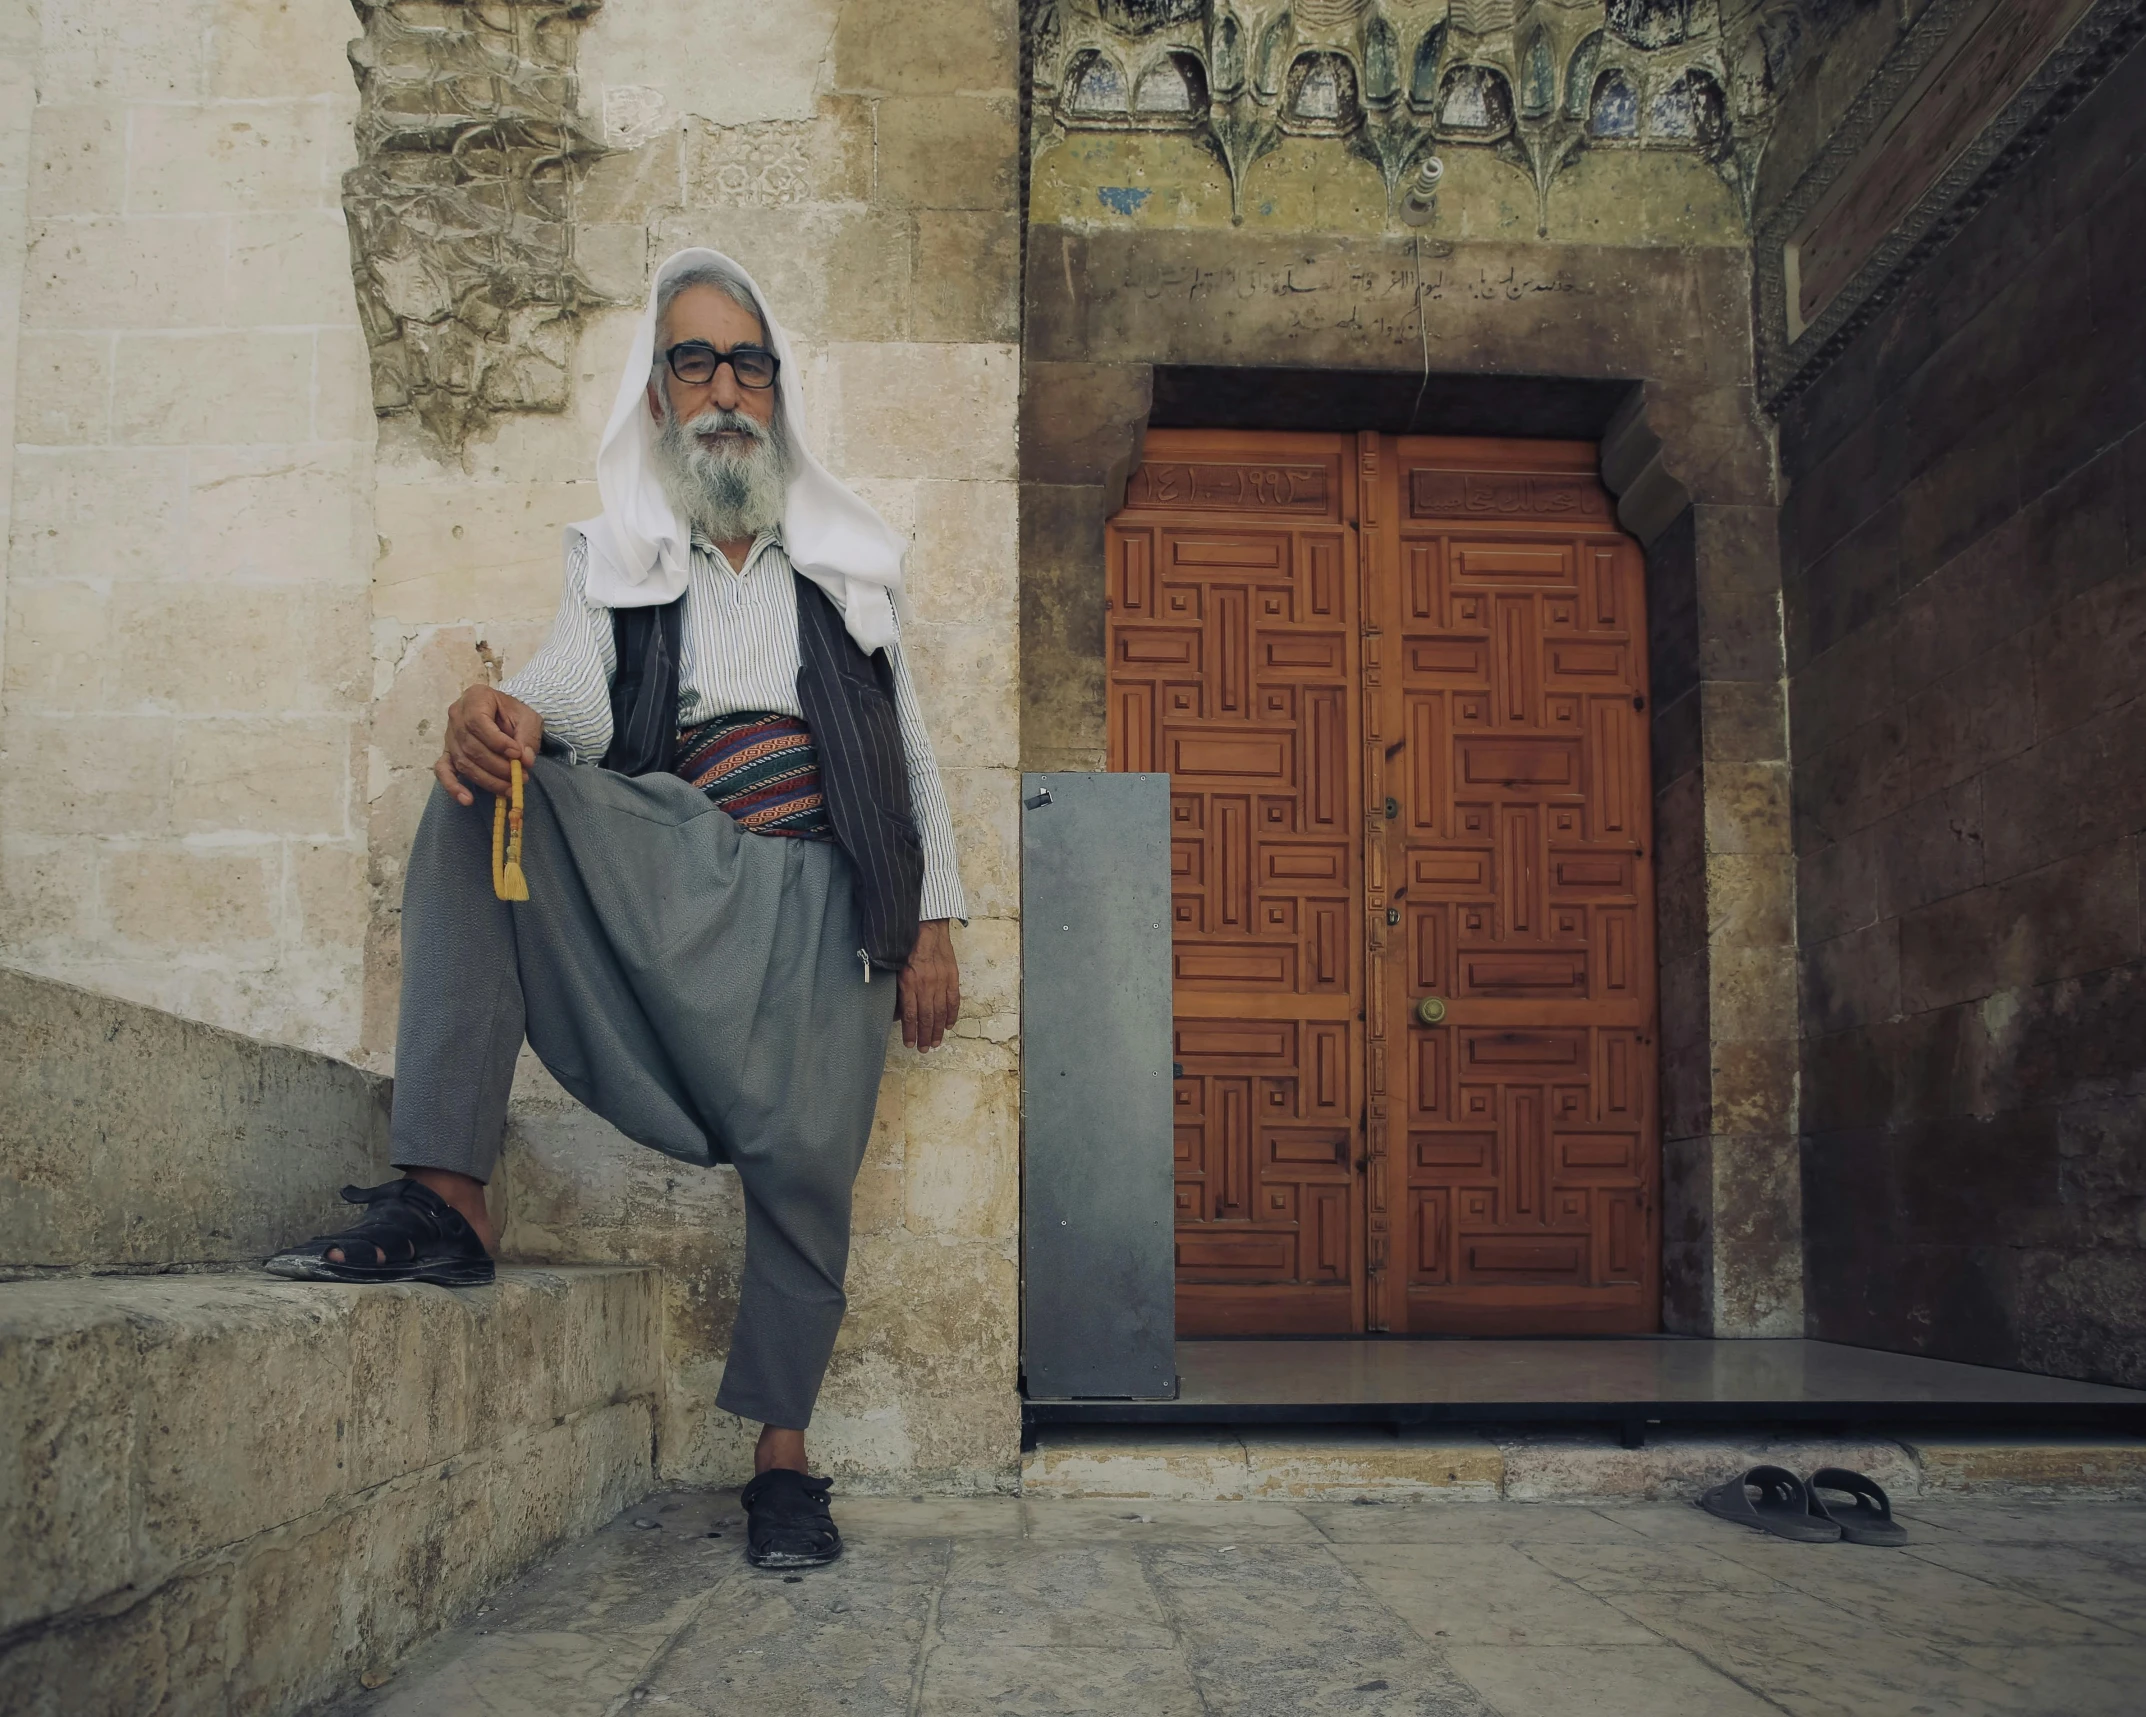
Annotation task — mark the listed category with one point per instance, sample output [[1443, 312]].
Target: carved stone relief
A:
[[1535, 81], [470, 150]]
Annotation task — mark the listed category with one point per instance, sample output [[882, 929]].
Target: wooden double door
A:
[[1400, 688]]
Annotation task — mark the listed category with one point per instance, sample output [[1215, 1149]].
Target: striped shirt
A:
[[738, 651]]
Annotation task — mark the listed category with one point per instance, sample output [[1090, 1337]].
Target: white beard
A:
[[727, 496]]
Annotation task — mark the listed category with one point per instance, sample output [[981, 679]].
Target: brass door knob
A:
[[1430, 1011]]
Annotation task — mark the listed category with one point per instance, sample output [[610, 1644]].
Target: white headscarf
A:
[[639, 551]]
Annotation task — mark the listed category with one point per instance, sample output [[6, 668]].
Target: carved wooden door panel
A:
[[1520, 1138], [1234, 665]]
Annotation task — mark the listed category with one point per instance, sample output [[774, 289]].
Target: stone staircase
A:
[[221, 1493]]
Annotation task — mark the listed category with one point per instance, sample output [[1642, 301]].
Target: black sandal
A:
[[409, 1233], [1782, 1507], [787, 1522], [1866, 1517]]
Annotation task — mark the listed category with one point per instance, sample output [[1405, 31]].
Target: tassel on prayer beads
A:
[[508, 883]]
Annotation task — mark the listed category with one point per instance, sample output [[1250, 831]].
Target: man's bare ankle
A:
[[463, 1193], [779, 1447]]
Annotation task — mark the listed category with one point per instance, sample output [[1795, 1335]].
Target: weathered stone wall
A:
[[1964, 547], [1840, 45], [226, 1494], [858, 157], [18, 99], [320, 318], [131, 1139], [187, 673]]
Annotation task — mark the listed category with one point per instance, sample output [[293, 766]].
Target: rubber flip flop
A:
[[1867, 1518], [1783, 1507]]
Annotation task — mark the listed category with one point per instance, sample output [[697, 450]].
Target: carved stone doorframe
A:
[[1692, 470]]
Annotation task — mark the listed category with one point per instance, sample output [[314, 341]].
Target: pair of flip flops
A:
[[1787, 1507]]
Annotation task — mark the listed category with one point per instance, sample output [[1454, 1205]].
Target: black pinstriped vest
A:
[[847, 699]]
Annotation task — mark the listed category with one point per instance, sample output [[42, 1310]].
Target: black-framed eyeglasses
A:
[[695, 362]]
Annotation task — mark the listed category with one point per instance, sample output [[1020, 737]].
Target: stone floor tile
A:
[[1602, 1681], [2076, 1681], [1812, 1657], [1030, 1594], [1057, 1681], [1831, 1656], [1465, 1523], [514, 1675], [962, 1517], [627, 1576], [2091, 1681], [2116, 1527], [1848, 1687], [1608, 1569], [1786, 1560], [1284, 1685], [1668, 1522], [845, 1639], [1272, 1630], [2071, 1578], [1921, 1600], [1485, 1594], [1163, 1522], [1237, 1610]]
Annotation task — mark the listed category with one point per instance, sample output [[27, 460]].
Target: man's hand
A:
[[930, 987], [486, 730]]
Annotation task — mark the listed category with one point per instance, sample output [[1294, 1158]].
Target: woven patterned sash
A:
[[763, 769]]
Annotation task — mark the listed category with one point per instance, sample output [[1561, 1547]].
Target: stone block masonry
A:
[[134, 1140], [306, 386], [226, 1494], [1453, 1466], [1964, 558], [221, 1493], [188, 659]]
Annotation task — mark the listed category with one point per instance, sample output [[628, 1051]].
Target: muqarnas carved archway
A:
[[1536, 82]]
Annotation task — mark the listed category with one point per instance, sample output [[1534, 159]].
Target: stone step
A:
[[225, 1493], [131, 1138], [1225, 1464]]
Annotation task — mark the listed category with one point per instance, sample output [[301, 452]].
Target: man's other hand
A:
[[930, 987], [486, 731]]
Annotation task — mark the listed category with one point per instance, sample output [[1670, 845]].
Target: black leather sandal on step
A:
[[409, 1233], [787, 1521]]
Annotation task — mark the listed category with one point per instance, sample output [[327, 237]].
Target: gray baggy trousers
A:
[[697, 986]]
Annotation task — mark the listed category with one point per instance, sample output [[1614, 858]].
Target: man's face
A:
[[718, 448], [703, 313]]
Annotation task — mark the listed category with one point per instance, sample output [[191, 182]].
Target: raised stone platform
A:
[[225, 1493], [1629, 1382], [1220, 1463]]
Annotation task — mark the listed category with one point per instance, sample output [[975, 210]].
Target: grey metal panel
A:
[[1098, 1285]]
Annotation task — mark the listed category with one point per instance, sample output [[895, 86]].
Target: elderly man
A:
[[739, 865]]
